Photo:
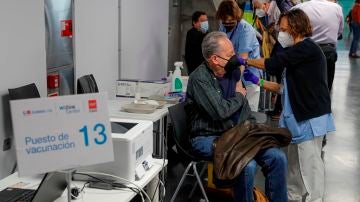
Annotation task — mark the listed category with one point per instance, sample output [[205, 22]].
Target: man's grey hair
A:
[[210, 44]]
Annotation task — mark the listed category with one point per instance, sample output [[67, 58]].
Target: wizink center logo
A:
[[92, 105], [69, 109], [29, 112]]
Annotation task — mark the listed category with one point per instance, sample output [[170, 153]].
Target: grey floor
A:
[[342, 152]]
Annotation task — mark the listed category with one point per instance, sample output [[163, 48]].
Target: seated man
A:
[[217, 102]]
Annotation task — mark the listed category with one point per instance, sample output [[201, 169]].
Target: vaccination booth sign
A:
[[64, 132]]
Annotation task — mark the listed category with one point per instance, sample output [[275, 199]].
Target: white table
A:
[[89, 194], [115, 111]]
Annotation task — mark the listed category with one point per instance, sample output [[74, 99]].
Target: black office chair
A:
[[23, 92], [183, 146], [87, 84]]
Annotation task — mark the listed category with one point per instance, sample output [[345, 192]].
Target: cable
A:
[[96, 178], [119, 186], [162, 167], [122, 179], [152, 198], [114, 184], [82, 188], [164, 189]]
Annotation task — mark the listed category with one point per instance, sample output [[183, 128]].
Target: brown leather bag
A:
[[237, 146]]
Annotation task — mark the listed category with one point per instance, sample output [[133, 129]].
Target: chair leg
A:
[[200, 183], [196, 183], [182, 180]]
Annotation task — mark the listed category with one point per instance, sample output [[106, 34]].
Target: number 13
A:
[[100, 129]]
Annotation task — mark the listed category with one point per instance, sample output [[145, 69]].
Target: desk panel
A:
[[89, 194]]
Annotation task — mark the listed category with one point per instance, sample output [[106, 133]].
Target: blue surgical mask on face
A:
[[204, 26]]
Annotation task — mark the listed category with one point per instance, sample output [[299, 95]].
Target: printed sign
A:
[[64, 132]]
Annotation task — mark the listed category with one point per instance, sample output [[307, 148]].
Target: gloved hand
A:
[[234, 62], [249, 76], [241, 60]]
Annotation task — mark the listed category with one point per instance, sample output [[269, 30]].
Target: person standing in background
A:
[[268, 9], [194, 38], [327, 22], [285, 5], [355, 26], [271, 12], [243, 37]]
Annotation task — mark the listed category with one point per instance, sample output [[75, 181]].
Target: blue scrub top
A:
[[304, 130], [243, 38]]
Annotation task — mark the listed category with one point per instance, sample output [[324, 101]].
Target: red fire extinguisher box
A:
[[53, 81]]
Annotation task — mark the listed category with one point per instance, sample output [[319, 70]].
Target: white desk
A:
[[89, 194], [115, 111]]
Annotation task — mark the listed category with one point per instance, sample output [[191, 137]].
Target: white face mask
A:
[[204, 26], [285, 39], [260, 12]]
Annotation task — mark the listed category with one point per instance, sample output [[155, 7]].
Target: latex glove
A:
[[234, 62], [249, 76], [241, 60]]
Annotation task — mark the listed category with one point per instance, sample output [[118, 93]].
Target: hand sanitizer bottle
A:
[[176, 80]]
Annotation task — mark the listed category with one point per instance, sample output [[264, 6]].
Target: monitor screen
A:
[[121, 127]]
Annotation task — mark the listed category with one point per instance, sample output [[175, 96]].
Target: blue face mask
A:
[[204, 26]]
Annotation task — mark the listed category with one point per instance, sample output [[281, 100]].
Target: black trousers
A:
[[329, 51]]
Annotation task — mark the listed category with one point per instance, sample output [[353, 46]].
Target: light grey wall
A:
[[144, 39], [174, 34], [22, 61], [96, 42]]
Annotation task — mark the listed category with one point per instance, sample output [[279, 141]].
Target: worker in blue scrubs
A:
[[243, 37]]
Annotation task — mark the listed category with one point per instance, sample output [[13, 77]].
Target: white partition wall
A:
[[22, 61], [143, 39], [96, 41]]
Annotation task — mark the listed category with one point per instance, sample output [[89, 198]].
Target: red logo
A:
[[66, 28], [92, 105], [27, 112]]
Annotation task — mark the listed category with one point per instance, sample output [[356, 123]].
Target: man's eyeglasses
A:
[[222, 57]]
